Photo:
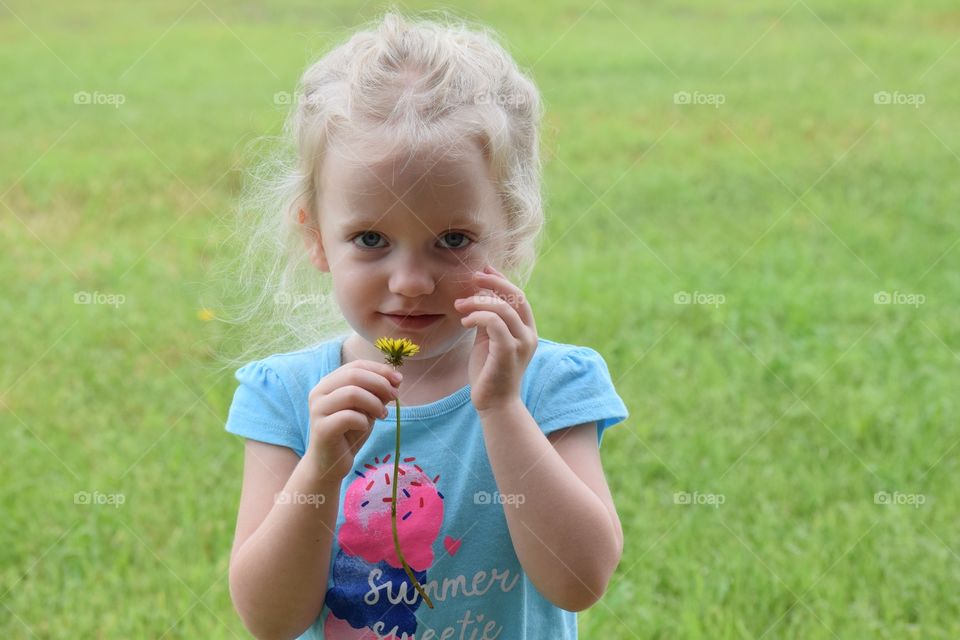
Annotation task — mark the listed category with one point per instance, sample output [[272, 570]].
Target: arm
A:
[[281, 550], [566, 532]]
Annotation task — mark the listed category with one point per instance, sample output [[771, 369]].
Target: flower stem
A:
[[393, 515]]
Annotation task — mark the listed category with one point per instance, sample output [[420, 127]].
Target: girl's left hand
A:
[[505, 343]]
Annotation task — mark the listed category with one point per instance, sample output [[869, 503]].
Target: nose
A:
[[412, 277]]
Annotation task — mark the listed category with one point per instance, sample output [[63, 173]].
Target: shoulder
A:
[[291, 366], [551, 354], [270, 404], [292, 372], [568, 385], [554, 361], [552, 349]]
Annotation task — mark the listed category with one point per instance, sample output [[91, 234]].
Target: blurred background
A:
[[752, 214]]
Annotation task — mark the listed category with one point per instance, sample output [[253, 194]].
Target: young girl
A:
[[417, 182]]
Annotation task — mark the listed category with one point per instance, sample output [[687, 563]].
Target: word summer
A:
[[442, 590]]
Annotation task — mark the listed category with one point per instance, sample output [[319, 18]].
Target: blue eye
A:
[[366, 235], [460, 244], [368, 240]]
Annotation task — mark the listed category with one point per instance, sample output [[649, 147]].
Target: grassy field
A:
[[734, 191]]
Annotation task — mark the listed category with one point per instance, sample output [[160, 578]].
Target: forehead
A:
[[445, 184]]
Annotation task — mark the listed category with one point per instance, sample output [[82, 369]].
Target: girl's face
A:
[[403, 236]]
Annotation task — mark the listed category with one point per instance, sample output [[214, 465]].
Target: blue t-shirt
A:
[[450, 516]]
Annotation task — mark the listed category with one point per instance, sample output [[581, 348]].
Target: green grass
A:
[[796, 400]]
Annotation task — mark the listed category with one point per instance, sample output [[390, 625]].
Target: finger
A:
[[510, 292], [499, 306], [382, 387], [350, 421], [357, 446], [371, 378], [500, 337], [358, 439], [355, 429], [353, 398], [380, 367]]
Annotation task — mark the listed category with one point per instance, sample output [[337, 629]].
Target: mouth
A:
[[418, 321]]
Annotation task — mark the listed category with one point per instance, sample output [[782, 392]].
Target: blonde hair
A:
[[412, 82]]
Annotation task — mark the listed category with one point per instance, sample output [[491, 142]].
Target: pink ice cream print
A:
[[370, 588], [367, 531]]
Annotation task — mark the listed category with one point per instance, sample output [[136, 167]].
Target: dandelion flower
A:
[[395, 350]]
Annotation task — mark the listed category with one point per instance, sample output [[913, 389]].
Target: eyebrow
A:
[[361, 220]]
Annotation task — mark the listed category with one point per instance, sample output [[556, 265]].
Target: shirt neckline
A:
[[421, 411]]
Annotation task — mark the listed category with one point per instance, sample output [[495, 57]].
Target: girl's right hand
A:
[[343, 408]]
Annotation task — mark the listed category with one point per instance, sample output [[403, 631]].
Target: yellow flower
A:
[[396, 349], [206, 314]]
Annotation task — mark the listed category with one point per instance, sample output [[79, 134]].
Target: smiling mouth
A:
[[412, 315], [413, 321]]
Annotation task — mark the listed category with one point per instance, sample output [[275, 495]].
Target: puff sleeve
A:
[[263, 410], [577, 389]]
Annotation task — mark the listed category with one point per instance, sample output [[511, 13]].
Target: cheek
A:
[[345, 301], [352, 284], [353, 271], [461, 272]]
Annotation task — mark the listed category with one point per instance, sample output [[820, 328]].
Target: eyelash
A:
[[364, 248]]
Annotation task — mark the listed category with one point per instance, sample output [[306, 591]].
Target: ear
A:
[[313, 242]]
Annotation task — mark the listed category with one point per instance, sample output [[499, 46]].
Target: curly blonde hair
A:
[[398, 84]]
